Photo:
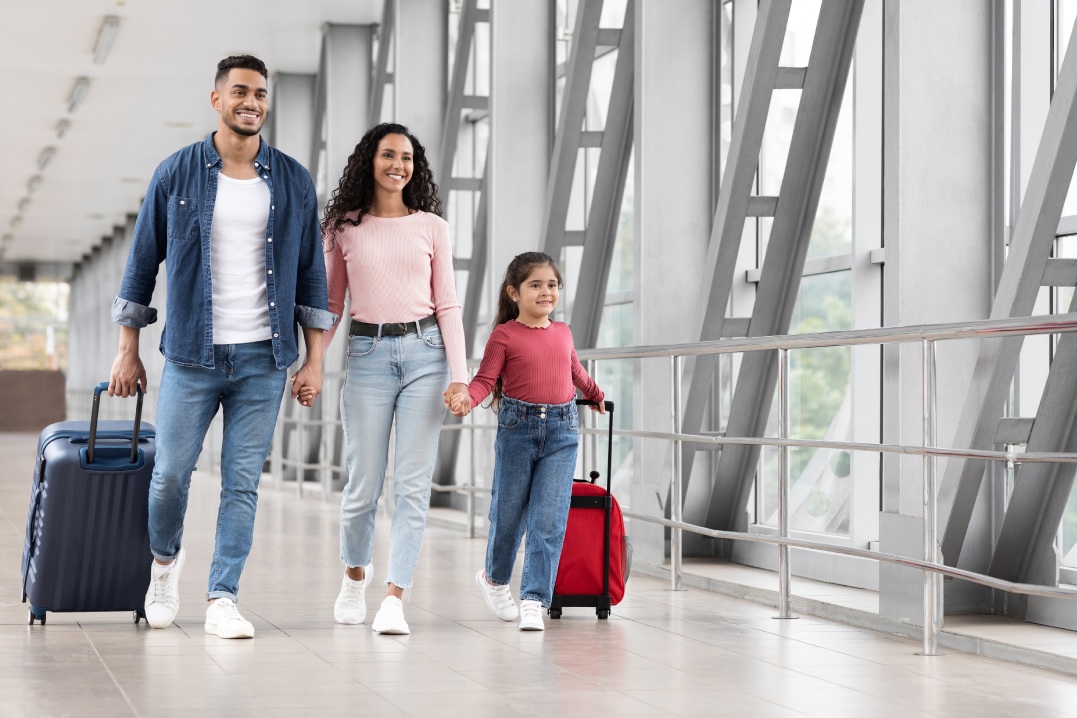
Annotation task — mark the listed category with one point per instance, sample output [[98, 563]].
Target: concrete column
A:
[[420, 80], [674, 133], [521, 128], [937, 212], [291, 121], [347, 69]]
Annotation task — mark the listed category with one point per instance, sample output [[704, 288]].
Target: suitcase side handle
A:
[[103, 386]]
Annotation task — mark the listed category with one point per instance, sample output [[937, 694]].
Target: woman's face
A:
[[393, 163]]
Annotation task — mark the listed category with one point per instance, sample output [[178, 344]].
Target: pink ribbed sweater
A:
[[538, 366], [397, 269]]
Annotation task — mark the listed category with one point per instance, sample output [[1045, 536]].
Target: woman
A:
[[387, 245]]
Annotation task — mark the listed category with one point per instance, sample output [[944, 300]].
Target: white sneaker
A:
[[162, 597], [350, 607], [498, 598], [390, 618], [224, 621], [531, 616]]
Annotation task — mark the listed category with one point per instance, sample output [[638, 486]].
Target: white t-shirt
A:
[[237, 261]]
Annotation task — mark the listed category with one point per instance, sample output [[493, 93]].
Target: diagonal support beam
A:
[[1026, 262], [783, 266]]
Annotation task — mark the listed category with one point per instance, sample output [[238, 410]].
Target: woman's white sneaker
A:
[[390, 618], [498, 598], [531, 616], [223, 620], [350, 607]]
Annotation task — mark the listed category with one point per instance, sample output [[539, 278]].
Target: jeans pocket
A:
[[507, 418], [361, 346], [433, 339], [182, 219]]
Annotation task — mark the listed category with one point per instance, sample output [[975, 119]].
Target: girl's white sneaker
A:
[[531, 616]]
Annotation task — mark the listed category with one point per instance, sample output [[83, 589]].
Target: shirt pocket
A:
[[182, 219]]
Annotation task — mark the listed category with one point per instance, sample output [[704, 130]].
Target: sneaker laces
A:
[[161, 594], [354, 590], [226, 610]]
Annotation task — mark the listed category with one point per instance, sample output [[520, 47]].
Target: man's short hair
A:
[[242, 62]]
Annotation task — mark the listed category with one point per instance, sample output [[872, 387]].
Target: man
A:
[[238, 223]]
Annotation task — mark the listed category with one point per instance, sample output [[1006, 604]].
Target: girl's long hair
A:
[[356, 189], [520, 268]]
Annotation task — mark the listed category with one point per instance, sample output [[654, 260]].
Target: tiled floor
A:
[[690, 653]]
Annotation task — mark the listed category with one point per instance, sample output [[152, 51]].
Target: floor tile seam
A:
[[111, 676]]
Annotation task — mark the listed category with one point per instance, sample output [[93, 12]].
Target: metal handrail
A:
[[927, 336]]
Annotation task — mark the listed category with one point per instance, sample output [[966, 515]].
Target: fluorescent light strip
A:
[[106, 35], [78, 93]]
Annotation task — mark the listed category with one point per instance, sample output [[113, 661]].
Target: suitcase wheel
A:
[[555, 613], [136, 615], [603, 613], [32, 614]]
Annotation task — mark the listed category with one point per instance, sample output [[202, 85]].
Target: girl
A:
[[530, 365], [387, 245]]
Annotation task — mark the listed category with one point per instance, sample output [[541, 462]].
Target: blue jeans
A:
[[246, 382], [389, 377], [535, 457]]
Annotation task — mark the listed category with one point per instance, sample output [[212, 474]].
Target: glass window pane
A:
[[819, 408]]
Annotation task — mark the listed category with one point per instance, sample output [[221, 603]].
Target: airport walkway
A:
[[690, 653]]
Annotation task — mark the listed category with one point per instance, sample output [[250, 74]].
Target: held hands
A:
[[457, 400], [307, 384]]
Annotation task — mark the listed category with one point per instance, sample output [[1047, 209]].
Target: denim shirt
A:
[[174, 224]]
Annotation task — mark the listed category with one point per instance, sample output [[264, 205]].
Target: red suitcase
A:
[[596, 556]]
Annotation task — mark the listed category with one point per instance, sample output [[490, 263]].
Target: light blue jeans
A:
[[389, 377], [247, 384], [535, 457]]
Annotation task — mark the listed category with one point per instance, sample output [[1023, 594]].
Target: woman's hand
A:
[[457, 400]]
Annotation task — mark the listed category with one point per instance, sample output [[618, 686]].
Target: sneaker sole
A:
[[532, 628], [211, 628]]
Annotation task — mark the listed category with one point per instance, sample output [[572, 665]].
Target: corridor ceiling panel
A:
[[81, 134]]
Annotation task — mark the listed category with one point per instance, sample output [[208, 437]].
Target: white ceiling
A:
[[149, 98]]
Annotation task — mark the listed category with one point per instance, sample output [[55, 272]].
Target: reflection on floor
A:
[[690, 653]]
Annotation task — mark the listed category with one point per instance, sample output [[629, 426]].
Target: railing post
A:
[[932, 582], [783, 483], [677, 503], [471, 481]]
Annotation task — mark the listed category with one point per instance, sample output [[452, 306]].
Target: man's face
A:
[[242, 99]]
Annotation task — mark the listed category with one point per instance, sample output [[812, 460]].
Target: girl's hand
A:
[[599, 406], [460, 404]]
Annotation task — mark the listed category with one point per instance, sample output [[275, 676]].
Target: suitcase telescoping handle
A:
[[609, 499], [103, 386]]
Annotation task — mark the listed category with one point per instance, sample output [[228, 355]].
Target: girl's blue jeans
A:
[[401, 379], [533, 466], [247, 385]]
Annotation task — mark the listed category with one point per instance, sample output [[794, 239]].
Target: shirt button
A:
[[275, 335], [270, 240], [257, 165], [271, 271], [265, 176], [182, 202], [208, 165], [272, 304], [272, 206]]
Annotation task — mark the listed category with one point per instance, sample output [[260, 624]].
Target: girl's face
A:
[[393, 163], [537, 295]]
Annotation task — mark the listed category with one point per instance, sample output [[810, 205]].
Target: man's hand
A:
[[128, 372]]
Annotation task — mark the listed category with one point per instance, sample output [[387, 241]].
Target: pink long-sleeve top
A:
[[538, 366], [397, 269]]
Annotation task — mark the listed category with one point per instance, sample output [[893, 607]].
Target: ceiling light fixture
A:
[[16, 221], [45, 156], [33, 183], [78, 93], [6, 239], [61, 128], [106, 35], [24, 204]]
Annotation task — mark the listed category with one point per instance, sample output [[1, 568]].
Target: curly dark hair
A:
[[519, 269], [356, 189]]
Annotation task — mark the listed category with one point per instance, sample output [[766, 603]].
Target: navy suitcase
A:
[[87, 543]]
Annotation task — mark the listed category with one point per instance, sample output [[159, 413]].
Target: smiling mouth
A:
[[395, 176], [248, 116]]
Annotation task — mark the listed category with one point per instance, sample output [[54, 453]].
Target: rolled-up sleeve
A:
[[148, 248], [311, 296]]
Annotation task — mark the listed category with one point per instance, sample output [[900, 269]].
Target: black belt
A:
[[392, 329]]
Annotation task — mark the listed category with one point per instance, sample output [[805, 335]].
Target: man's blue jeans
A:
[[391, 378], [535, 458], [247, 384]]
